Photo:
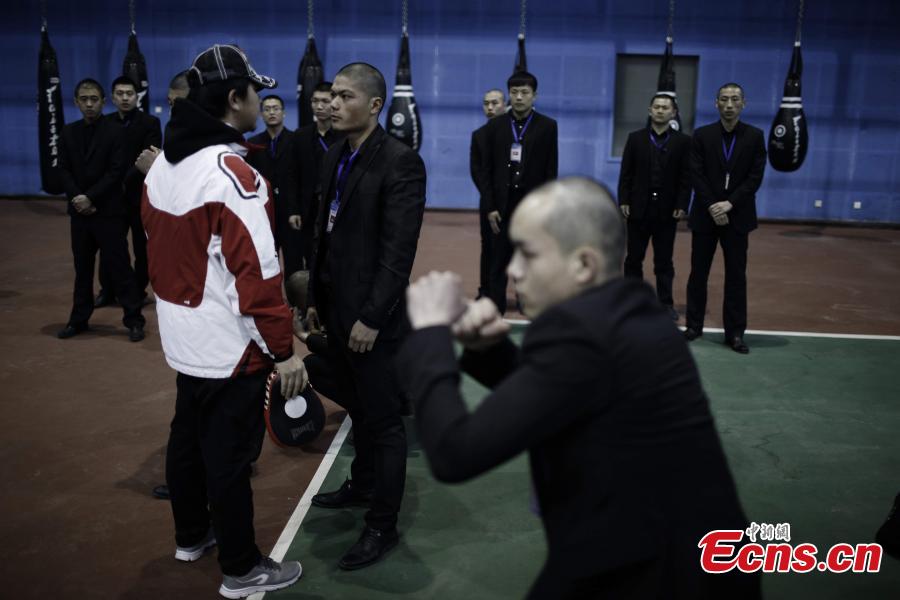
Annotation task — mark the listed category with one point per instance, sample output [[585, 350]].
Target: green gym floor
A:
[[812, 434]]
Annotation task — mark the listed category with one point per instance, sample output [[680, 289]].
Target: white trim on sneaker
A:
[[247, 590], [193, 553]]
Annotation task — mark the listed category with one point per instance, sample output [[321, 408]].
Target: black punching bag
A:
[[403, 114], [789, 136], [521, 61], [665, 84], [309, 75], [50, 115], [135, 68]]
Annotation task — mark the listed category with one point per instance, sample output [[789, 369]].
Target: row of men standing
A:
[[660, 167]]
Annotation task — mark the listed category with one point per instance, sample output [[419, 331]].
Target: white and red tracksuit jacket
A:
[[211, 253]]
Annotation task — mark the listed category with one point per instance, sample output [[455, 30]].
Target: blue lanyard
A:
[[517, 138], [730, 150], [323, 144], [346, 163], [273, 143], [664, 142]]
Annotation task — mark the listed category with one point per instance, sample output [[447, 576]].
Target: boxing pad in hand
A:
[[403, 114], [789, 135], [292, 421]]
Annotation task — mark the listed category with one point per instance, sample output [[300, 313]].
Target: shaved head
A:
[[369, 79], [578, 211]]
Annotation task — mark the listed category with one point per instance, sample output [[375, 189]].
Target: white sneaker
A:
[[266, 576], [192, 553]]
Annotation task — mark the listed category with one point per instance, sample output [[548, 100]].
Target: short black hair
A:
[[728, 85], [370, 79], [213, 96], [89, 82], [179, 82], [520, 79], [325, 86], [666, 96], [123, 80], [273, 97]]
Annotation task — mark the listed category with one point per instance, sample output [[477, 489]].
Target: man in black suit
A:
[[311, 143], [366, 237], [728, 159], [494, 105], [274, 157], [627, 466], [140, 131], [654, 192], [521, 155], [91, 166]]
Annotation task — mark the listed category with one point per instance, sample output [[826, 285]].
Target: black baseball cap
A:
[[223, 62]]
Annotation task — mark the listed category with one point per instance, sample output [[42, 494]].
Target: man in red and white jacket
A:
[[222, 320]]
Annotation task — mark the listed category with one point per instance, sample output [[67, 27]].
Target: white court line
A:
[[293, 524], [842, 336]]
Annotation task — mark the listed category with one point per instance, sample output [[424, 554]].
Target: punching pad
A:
[[521, 60], [665, 84], [50, 115], [789, 136], [292, 421], [135, 68], [309, 75], [403, 114]]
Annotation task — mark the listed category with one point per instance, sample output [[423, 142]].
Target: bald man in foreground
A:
[[626, 462]]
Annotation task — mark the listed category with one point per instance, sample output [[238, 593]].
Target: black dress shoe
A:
[[136, 333], [691, 334], [371, 546], [345, 496], [889, 533], [70, 331], [161, 492], [104, 298], [737, 344]]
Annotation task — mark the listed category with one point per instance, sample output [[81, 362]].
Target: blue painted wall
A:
[[462, 47]]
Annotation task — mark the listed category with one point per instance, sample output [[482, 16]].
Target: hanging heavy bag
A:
[[50, 115], [521, 65], [403, 114], [292, 421], [309, 75], [665, 83], [789, 135], [135, 68]]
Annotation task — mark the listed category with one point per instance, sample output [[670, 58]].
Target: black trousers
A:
[[734, 304], [484, 265], [106, 234], [308, 232], [501, 253], [367, 388], [288, 240], [662, 233], [212, 441], [139, 250]]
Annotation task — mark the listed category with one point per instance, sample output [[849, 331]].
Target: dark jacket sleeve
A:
[[401, 221], [702, 186], [553, 158], [626, 175], [559, 376], [134, 179], [683, 193], [746, 191], [475, 161], [108, 187], [66, 176], [487, 171]]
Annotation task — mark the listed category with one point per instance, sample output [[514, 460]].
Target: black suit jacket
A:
[[478, 149], [748, 164], [309, 157], [142, 132], [540, 165], [625, 458], [280, 171], [371, 248], [634, 178], [95, 171]]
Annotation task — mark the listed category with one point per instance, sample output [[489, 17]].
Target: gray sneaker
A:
[[266, 576], [192, 553]]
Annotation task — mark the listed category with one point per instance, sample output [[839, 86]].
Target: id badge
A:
[[515, 153], [332, 214]]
